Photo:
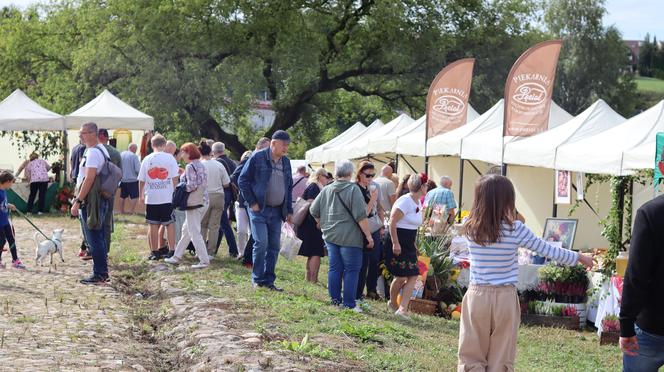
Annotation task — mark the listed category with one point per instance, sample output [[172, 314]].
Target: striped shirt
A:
[[497, 263]]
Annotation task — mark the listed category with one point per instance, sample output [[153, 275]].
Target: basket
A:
[[567, 322], [609, 338], [421, 306]]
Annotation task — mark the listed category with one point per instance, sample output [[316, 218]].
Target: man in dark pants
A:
[[266, 185], [642, 304], [247, 259], [116, 159], [225, 228]]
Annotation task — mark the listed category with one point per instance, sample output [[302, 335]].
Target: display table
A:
[[605, 300], [19, 193]]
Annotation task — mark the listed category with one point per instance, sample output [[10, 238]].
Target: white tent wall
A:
[[534, 200]]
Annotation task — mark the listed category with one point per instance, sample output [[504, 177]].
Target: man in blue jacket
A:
[[266, 185]]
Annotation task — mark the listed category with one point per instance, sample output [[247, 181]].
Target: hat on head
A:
[[281, 135]]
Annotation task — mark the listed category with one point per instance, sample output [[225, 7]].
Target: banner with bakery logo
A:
[[447, 100], [528, 90]]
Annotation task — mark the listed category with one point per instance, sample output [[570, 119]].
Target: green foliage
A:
[[307, 348], [592, 61]]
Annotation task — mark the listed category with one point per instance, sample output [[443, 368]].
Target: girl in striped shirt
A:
[[490, 312]]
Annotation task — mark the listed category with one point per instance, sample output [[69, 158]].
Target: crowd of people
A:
[[357, 217]]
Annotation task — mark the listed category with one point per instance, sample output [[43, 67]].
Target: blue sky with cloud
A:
[[634, 18]]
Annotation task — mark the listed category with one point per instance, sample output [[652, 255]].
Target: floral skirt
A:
[[404, 264]]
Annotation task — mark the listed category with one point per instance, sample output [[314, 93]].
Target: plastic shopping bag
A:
[[290, 244]]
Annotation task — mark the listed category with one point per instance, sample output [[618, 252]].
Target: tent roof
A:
[[315, 155], [486, 144], [337, 151], [412, 143], [540, 150], [617, 151], [359, 147], [19, 112], [110, 112]]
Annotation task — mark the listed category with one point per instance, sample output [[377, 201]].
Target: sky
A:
[[634, 18]]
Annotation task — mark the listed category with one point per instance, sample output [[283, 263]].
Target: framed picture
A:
[[563, 187], [560, 230]]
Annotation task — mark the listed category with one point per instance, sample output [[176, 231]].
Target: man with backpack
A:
[[116, 158], [91, 204]]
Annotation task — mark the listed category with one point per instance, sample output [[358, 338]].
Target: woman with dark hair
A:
[[401, 259], [370, 259], [195, 177], [490, 312]]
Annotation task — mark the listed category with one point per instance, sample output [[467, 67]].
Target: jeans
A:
[[96, 240], [225, 228], [345, 264], [37, 187], [266, 231], [651, 353]]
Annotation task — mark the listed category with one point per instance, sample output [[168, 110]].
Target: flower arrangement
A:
[[610, 323], [63, 197], [550, 308], [564, 284]]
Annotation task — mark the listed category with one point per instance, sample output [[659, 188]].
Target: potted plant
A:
[[610, 330], [548, 313]]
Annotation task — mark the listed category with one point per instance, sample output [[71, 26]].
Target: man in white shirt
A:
[[86, 200], [217, 179], [157, 179], [388, 192]]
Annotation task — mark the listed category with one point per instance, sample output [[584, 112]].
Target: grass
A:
[[647, 84], [301, 321]]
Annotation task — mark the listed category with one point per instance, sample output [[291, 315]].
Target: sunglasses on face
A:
[[368, 175]]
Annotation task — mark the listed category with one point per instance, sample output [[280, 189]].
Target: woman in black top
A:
[[309, 232], [370, 260]]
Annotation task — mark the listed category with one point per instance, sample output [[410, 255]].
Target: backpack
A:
[[109, 176], [181, 195]]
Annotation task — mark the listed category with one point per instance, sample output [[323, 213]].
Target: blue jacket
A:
[[255, 176]]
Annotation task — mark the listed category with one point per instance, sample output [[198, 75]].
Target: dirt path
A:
[[51, 322]]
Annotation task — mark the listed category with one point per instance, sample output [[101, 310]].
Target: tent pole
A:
[[396, 163], [554, 212], [461, 166], [621, 208], [65, 157]]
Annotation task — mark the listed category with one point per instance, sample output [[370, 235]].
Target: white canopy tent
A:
[[388, 143], [18, 112], [412, 143], [618, 151], [315, 155], [450, 143], [486, 143], [540, 150], [337, 151], [359, 147], [110, 112]]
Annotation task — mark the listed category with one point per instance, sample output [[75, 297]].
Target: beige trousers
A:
[[211, 220], [490, 317]]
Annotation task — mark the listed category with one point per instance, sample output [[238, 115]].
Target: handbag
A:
[[181, 195], [365, 242], [290, 243], [300, 211]]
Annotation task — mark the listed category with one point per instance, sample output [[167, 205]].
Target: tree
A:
[[593, 58], [647, 55]]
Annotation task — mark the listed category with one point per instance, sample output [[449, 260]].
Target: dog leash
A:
[[33, 225]]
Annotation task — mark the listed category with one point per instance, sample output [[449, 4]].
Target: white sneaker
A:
[[39, 213], [402, 314], [200, 266], [172, 260], [357, 309]]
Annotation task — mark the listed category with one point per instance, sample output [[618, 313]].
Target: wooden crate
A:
[[609, 338], [422, 306], [567, 322]]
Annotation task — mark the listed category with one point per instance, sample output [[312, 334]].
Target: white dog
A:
[[49, 247]]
